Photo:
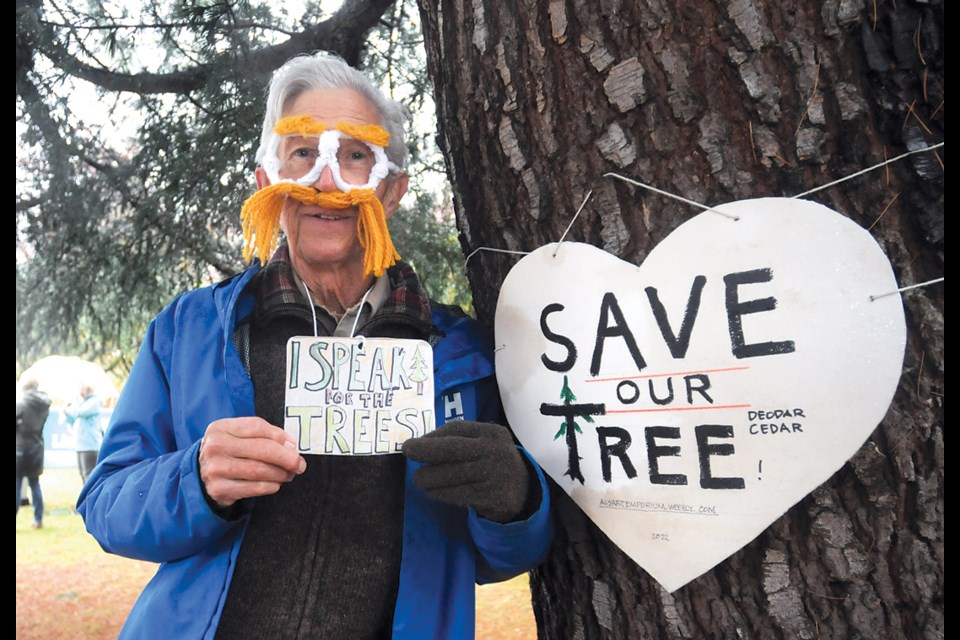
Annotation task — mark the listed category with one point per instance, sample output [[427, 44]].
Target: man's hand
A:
[[246, 457], [472, 464]]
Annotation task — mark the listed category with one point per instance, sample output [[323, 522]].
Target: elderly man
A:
[[257, 536]]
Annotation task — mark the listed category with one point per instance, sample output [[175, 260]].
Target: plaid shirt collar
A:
[[278, 292]]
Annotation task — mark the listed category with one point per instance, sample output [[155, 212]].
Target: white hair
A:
[[327, 71]]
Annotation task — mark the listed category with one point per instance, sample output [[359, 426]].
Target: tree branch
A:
[[340, 34], [142, 26]]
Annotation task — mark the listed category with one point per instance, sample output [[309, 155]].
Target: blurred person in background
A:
[[33, 407], [84, 415]]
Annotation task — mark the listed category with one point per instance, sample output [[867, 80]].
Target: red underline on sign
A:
[[712, 407], [663, 375]]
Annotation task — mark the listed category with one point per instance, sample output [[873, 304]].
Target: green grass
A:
[[63, 538]]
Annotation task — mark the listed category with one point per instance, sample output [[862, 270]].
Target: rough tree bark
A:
[[719, 101]]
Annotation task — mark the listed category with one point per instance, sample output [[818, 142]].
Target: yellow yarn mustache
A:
[[260, 218]]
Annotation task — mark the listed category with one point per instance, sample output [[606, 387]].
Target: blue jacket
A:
[[144, 499], [85, 414]]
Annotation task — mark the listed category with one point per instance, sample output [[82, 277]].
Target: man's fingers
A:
[[246, 457], [251, 439], [263, 450], [226, 492], [248, 427], [243, 469], [228, 479]]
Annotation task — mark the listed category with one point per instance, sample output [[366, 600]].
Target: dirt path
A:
[[90, 601]]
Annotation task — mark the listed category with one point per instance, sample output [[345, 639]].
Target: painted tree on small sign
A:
[[419, 371]]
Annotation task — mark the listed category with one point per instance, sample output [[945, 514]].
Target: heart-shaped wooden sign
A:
[[688, 403]]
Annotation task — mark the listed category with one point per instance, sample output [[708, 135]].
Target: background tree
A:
[[719, 101], [137, 125]]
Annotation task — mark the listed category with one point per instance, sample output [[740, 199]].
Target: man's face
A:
[[326, 239]]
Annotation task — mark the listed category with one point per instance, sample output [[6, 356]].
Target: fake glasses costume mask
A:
[[354, 154], [300, 149]]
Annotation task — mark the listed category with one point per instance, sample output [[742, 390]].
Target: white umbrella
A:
[[60, 377]]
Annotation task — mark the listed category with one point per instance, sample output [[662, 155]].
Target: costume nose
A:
[[325, 181]]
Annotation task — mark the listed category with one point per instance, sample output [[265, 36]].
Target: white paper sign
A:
[[358, 396], [688, 403]]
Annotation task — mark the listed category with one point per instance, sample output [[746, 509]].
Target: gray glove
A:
[[472, 464]]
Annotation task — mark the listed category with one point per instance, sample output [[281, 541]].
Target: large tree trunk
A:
[[719, 101]]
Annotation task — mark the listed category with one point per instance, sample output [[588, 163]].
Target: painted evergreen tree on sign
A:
[[419, 371], [570, 428], [570, 410]]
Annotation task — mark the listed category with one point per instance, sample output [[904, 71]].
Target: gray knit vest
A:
[[321, 557]]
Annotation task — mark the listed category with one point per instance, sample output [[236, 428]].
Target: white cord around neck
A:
[[356, 318], [312, 309]]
